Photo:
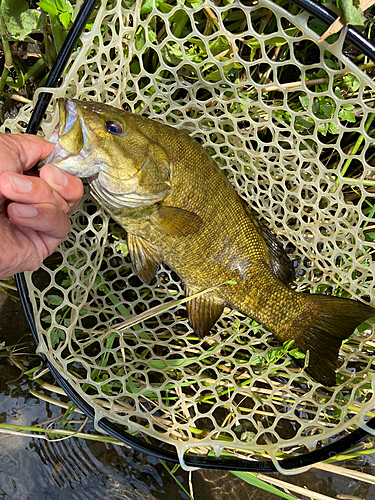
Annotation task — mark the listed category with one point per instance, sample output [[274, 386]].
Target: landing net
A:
[[289, 121]]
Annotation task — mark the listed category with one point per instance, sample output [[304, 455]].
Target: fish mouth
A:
[[71, 136], [68, 114]]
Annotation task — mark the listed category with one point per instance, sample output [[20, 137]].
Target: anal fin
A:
[[203, 312], [145, 257]]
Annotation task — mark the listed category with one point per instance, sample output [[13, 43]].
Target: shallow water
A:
[[36, 469]]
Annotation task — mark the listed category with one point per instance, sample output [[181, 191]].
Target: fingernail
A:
[[20, 184], [59, 177], [25, 211]]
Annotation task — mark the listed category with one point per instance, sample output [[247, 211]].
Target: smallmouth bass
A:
[[179, 208]]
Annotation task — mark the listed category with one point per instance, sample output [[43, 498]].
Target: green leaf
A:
[[328, 110], [140, 38], [347, 115], [351, 13], [367, 325], [148, 4], [122, 247], [65, 18], [303, 123], [318, 26], [132, 387], [172, 54], [179, 20], [304, 100], [219, 45], [315, 106], [276, 41], [20, 79], [296, 354], [331, 64], [58, 33], [323, 128], [249, 478], [254, 45], [20, 21], [31, 20], [12, 84], [288, 344], [351, 82], [291, 31], [56, 300], [48, 6], [333, 128], [64, 6], [160, 364], [56, 335], [338, 92], [47, 319]]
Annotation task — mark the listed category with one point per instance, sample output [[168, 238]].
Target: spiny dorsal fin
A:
[[145, 257], [203, 312], [176, 221]]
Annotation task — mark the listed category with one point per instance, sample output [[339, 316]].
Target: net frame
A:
[[185, 460]]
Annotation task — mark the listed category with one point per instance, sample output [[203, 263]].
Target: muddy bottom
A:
[[39, 469]]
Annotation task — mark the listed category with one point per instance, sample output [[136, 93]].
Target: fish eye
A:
[[113, 127]]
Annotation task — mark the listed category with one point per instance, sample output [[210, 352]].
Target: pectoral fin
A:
[[145, 257], [203, 312], [176, 221]]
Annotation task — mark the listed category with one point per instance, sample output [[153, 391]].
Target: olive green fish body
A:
[[206, 258], [179, 208]]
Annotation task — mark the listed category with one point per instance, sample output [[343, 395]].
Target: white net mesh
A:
[[288, 119]]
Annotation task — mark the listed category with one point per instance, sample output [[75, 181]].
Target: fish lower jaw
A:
[[68, 161]]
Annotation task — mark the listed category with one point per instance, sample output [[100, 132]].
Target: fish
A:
[[179, 208]]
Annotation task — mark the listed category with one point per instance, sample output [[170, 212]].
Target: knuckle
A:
[[34, 265]]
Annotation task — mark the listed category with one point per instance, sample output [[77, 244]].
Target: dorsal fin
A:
[[145, 257], [277, 260], [203, 312]]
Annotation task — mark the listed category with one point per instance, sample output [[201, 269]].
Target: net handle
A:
[[114, 430], [323, 14]]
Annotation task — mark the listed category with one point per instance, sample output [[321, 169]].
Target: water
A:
[[36, 469]]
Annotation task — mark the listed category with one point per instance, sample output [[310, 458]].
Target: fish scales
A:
[[179, 208], [206, 258]]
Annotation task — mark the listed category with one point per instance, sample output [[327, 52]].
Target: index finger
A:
[[20, 152], [69, 187]]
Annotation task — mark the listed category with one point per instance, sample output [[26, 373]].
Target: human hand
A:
[[35, 219]]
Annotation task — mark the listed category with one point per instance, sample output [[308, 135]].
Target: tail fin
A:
[[330, 320]]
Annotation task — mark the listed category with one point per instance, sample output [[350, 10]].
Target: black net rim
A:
[[114, 430]]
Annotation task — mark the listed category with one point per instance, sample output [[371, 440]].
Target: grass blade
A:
[[258, 483]]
